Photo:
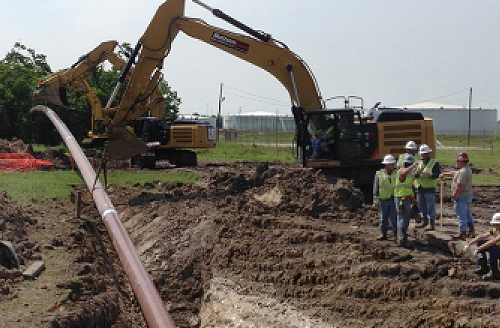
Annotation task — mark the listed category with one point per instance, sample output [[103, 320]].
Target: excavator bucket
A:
[[52, 94], [122, 144]]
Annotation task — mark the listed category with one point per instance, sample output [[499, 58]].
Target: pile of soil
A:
[[268, 245], [14, 223], [13, 146], [57, 157]]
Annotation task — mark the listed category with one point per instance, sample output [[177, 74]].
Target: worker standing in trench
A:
[[383, 196]]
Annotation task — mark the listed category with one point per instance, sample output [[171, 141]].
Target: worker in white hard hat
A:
[[383, 195], [404, 197], [411, 149], [428, 171], [492, 247]]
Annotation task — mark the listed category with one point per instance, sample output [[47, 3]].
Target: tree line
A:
[[20, 70]]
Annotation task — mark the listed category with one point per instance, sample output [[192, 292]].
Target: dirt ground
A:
[[249, 245]]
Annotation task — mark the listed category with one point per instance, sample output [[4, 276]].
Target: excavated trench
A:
[[260, 245]]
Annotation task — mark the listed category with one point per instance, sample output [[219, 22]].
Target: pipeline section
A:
[[147, 295]]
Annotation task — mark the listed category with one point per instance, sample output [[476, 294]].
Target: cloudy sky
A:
[[394, 51]]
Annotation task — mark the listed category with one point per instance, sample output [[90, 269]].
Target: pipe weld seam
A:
[[108, 211]]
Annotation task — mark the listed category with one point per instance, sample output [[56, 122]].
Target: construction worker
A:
[[383, 195], [411, 149], [403, 197], [427, 173], [492, 247], [461, 188], [316, 146]]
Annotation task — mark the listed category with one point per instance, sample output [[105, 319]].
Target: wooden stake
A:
[[441, 191]]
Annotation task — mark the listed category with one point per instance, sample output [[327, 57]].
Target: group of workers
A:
[[403, 183], [411, 181]]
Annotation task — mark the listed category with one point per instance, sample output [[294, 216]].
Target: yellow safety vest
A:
[[426, 182], [405, 188], [495, 233], [386, 184]]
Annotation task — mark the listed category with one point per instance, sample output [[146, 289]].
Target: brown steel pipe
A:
[[149, 299]]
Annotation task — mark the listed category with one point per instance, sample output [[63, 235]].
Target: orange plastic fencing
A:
[[21, 162]]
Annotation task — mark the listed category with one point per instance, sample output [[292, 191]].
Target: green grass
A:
[[30, 187], [487, 159], [228, 151]]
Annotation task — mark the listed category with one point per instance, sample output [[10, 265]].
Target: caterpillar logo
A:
[[229, 42]]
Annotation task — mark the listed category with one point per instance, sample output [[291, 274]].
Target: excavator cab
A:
[[342, 137]]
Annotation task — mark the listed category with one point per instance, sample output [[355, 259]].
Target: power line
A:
[[272, 102], [255, 95], [445, 96], [487, 101]]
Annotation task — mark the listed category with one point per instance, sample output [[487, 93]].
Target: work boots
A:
[[471, 233], [483, 263], [495, 273], [425, 222], [383, 236], [432, 226], [461, 236]]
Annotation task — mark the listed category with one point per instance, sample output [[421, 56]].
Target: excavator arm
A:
[[272, 56], [264, 52], [53, 87]]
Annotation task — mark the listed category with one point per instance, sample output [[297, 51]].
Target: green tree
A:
[[19, 71]]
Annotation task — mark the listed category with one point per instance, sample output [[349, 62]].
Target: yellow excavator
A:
[[354, 143], [154, 137]]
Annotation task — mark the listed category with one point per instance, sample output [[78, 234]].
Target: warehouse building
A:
[[454, 120]]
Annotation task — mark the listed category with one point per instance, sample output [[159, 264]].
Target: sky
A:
[[397, 52]]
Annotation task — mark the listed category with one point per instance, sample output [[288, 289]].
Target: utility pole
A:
[[218, 123], [470, 109]]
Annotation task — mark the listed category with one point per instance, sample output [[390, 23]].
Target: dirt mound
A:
[[58, 157], [13, 146], [268, 245], [281, 190], [14, 222], [265, 189]]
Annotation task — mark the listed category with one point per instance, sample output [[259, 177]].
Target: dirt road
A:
[[250, 245]]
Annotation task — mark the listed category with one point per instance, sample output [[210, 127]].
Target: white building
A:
[[259, 121], [454, 120]]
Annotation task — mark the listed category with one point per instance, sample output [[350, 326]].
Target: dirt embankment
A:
[[14, 223], [268, 245]]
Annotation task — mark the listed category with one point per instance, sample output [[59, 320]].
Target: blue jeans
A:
[[462, 209], [493, 250], [388, 212], [427, 204], [403, 208]]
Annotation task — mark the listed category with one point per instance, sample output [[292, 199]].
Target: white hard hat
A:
[[495, 219], [408, 159], [388, 159], [424, 149], [411, 145]]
